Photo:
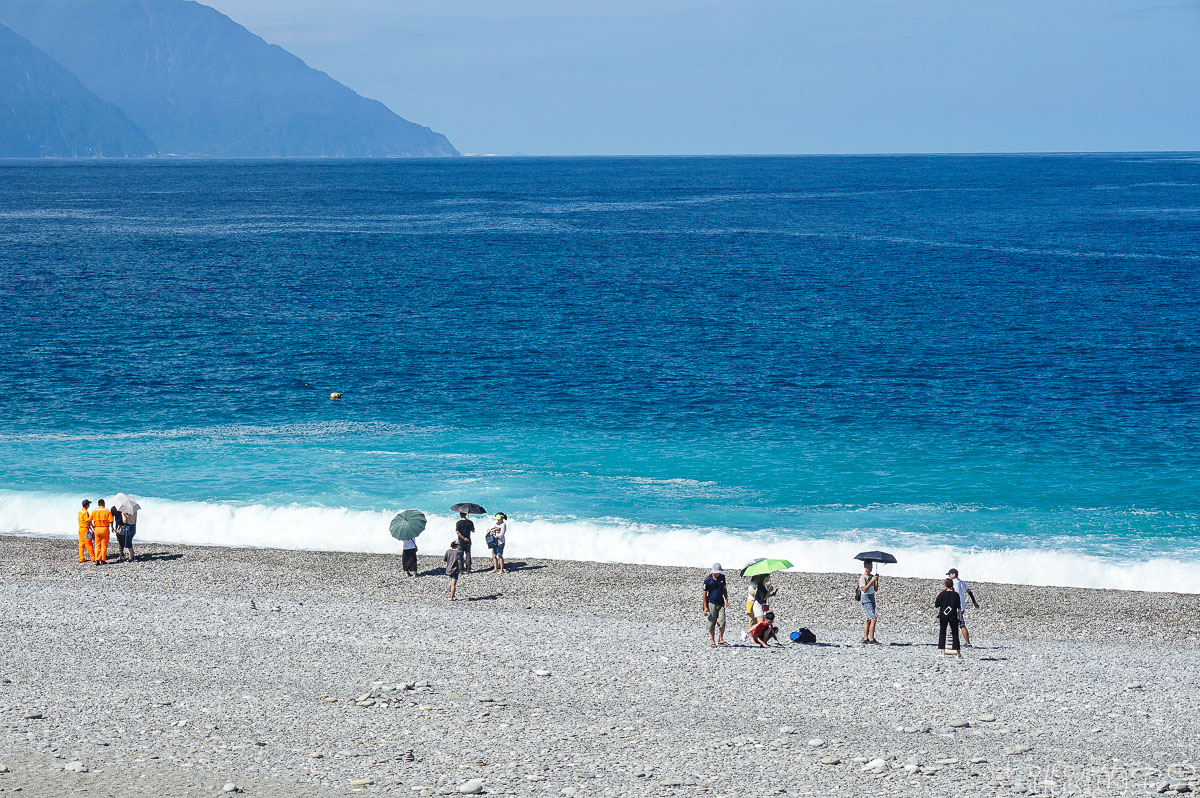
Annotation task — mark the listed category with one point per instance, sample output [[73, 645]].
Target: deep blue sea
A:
[[981, 361]]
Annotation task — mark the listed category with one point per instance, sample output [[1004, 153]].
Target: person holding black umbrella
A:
[[464, 529]]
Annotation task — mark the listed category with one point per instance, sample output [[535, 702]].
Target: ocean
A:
[[987, 362]]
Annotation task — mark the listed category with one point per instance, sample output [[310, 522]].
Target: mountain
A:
[[197, 83], [46, 112]]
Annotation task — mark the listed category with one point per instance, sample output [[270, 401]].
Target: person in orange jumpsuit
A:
[[101, 521], [85, 526]]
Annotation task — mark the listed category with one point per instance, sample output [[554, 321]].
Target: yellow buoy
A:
[[335, 395]]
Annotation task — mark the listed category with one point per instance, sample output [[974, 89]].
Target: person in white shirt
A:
[[964, 592], [495, 542], [409, 558]]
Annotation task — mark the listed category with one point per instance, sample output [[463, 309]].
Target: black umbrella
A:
[[875, 556], [471, 509]]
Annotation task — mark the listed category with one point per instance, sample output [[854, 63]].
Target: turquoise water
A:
[[982, 361]]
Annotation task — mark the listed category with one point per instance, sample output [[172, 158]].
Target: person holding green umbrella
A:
[[760, 590], [405, 527]]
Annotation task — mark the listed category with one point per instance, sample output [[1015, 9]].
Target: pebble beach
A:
[[260, 672]]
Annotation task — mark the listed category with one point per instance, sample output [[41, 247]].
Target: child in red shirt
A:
[[765, 631]]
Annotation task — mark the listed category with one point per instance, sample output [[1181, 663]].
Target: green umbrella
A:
[[759, 567], [407, 525]]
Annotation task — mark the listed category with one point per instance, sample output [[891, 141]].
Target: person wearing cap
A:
[[496, 537], [964, 592], [713, 603], [85, 533]]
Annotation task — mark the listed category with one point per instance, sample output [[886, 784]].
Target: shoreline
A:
[[294, 673]]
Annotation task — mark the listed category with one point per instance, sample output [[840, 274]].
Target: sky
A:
[[664, 77]]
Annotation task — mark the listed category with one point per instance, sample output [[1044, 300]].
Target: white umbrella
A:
[[128, 507]]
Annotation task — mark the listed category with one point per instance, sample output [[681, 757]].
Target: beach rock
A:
[[541, 673], [830, 760], [987, 718], [959, 724], [229, 786], [787, 729], [874, 766], [33, 716], [362, 782], [816, 742], [471, 787], [75, 767], [1017, 749]]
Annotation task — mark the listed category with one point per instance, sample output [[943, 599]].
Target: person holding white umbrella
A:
[[127, 528]]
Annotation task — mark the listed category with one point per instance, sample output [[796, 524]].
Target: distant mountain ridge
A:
[[46, 112], [197, 83]]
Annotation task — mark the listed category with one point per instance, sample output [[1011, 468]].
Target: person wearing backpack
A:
[[868, 583], [948, 604]]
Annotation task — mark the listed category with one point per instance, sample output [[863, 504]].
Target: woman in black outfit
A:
[[948, 604]]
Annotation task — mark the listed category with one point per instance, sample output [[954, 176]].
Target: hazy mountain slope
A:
[[197, 83], [46, 112]]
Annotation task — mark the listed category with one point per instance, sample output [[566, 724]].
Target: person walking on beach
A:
[[464, 529], [408, 557], [713, 603], [964, 592], [86, 536], [496, 538], [868, 583], [948, 605], [453, 560], [101, 522]]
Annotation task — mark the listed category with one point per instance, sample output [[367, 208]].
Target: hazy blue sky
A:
[[762, 76]]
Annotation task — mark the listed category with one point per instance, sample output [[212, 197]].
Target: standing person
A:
[[464, 529], [128, 528], [496, 544], [714, 602], [86, 536], [756, 602], [101, 522], [964, 592], [118, 529], [409, 557], [453, 560], [948, 605], [868, 583]]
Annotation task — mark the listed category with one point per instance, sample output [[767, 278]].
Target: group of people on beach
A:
[[761, 630], [457, 558], [96, 526]]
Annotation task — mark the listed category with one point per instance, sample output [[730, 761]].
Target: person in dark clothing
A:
[[713, 604], [409, 557], [948, 605], [453, 560], [464, 529]]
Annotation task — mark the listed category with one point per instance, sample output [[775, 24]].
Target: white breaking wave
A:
[[603, 540]]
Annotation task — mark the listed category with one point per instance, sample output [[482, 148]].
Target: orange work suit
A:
[[101, 521], [85, 545]]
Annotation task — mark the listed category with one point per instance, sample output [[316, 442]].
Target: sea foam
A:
[[600, 540]]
